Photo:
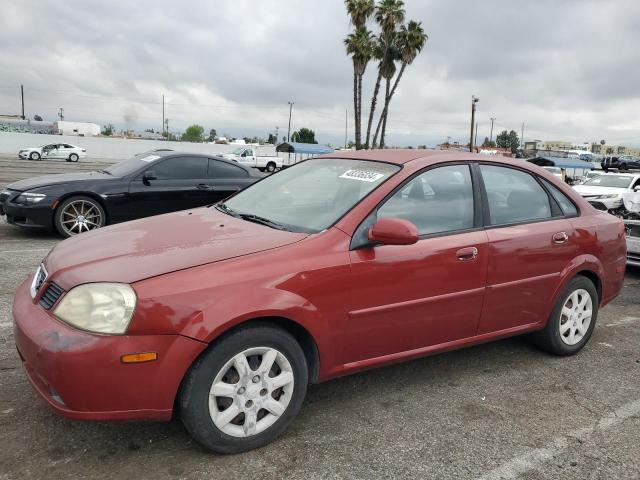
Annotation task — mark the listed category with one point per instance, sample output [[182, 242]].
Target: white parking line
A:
[[623, 321], [537, 456]]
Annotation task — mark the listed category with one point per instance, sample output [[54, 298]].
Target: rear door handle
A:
[[466, 254], [560, 237]]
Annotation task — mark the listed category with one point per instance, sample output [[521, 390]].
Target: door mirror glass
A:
[[149, 175], [636, 188], [393, 231]]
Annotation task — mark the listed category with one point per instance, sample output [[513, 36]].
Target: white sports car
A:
[[70, 153]]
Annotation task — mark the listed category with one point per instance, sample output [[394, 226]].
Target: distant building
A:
[[82, 129]]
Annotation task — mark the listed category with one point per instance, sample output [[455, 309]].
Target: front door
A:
[[415, 296], [225, 179], [176, 183], [530, 242]]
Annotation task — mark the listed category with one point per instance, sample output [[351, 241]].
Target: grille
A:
[[50, 296]]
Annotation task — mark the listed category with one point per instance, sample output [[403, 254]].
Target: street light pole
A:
[[493, 119], [474, 100], [289, 131]]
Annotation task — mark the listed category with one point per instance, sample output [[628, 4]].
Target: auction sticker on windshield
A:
[[362, 175], [150, 158]]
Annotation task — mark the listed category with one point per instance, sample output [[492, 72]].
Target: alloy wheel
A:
[[80, 216], [575, 317], [251, 392]]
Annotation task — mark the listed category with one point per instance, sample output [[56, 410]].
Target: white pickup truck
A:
[[249, 157]]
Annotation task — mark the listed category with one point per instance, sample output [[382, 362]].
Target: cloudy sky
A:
[[568, 69]]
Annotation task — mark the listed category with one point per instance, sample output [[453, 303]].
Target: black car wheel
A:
[[271, 167], [34, 156], [73, 157], [245, 390], [78, 214]]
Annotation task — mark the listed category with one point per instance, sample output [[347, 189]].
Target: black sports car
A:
[[158, 182]]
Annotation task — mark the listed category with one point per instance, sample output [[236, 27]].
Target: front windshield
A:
[[238, 151], [312, 195], [126, 167], [615, 181]]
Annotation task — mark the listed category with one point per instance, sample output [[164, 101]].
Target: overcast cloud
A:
[[568, 69]]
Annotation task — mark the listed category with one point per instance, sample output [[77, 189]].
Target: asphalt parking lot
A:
[[500, 410]]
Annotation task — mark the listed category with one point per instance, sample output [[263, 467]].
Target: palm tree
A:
[[360, 46], [389, 13], [410, 41], [359, 11]]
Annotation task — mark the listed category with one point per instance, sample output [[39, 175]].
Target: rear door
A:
[[530, 242], [176, 183], [225, 179]]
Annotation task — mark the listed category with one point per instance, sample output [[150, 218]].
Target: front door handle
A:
[[466, 254], [560, 237], [204, 186]]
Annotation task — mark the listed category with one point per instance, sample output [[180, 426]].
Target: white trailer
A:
[[82, 129]]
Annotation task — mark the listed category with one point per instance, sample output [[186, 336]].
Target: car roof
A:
[[404, 156]]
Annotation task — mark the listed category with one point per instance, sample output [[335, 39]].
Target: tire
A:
[[73, 157], [271, 167], [35, 156], [199, 405], [560, 336], [93, 216]]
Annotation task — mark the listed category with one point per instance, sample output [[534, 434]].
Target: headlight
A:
[[98, 307], [608, 196], [29, 198]]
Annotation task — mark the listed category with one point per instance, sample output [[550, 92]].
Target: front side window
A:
[[436, 201], [513, 196], [312, 195], [183, 168]]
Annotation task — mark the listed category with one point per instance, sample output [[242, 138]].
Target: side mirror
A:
[[393, 231], [148, 175], [636, 188]]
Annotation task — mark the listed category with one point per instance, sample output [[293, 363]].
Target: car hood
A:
[[594, 190], [31, 148], [46, 180], [145, 248]]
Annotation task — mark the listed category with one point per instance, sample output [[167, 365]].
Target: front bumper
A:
[[605, 203], [80, 375], [39, 216]]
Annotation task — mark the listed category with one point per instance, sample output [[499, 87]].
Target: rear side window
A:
[[184, 168], [436, 201], [514, 196], [221, 170], [567, 206]]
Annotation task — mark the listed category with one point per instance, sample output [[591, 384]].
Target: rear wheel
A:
[[73, 157], [245, 390], [271, 167], [34, 156], [572, 320], [78, 214]]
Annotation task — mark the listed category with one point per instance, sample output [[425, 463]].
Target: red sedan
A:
[[225, 314]]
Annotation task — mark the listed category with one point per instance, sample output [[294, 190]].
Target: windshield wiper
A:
[[104, 171], [250, 217]]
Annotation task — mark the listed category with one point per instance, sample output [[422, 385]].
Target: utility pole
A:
[[166, 122], [22, 95], [476, 138], [474, 100], [163, 117], [493, 119], [60, 114], [345, 128], [289, 132], [522, 137]]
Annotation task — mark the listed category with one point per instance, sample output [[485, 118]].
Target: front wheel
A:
[[34, 156], [245, 390], [271, 167], [572, 320], [78, 214]]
